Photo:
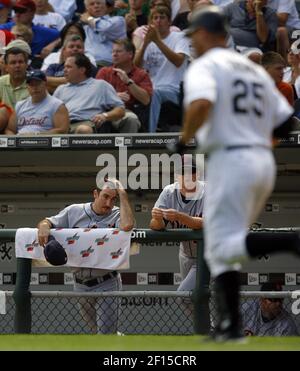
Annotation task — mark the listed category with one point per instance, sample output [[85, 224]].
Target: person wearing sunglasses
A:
[[267, 316]]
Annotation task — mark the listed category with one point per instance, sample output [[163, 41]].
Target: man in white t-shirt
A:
[[164, 55], [45, 18]]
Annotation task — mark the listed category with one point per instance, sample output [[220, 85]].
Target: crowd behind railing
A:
[[116, 66]]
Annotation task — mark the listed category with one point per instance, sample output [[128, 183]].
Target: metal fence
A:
[[139, 312]]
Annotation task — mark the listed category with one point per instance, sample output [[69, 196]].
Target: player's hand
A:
[[171, 215], [157, 213], [43, 234], [177, 147], [114, 183]]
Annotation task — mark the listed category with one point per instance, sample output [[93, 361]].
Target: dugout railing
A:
[[140, 312], [200, 296], [22, 294]]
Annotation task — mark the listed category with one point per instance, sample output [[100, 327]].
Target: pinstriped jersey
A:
[[171, 198]]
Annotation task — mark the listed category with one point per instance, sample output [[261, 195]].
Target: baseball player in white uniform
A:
[[100, 315], [234, 109], [177, 207]]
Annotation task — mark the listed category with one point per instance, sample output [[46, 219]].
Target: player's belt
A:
[[97, 280], [245, 146]]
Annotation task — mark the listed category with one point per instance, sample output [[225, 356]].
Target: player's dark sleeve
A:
[[286, 127]]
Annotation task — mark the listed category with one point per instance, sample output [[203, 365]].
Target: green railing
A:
[[200, 297]]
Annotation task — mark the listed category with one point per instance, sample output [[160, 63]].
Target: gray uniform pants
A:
[[101, 314]]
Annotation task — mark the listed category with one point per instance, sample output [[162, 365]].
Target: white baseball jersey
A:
[[171, 198], [246, 104]]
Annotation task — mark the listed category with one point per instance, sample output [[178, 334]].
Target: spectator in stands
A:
[[139, 33], [70, 29], [92, 104], [5, 113], [13, 86], [5, 9], [135, 17], [20, 31], [267, 317], [66, 8], [44, 39], [182, 19], [292, 72], [55, 72], [43, 17], [102, 29], [164, 54], [254, 54], [288, 22], [132, 84], [252, 24], [39, 113], [274, 64]]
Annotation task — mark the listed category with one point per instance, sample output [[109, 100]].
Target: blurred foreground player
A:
[[233, 107]]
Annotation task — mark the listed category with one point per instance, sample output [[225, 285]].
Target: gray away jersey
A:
[[282, 325], [82, 216], [170, 198]]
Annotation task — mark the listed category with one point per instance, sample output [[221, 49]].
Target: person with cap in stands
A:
[[44, 39], [180, 205], [267, 317], [40, 112], [101, 315], [5, 8], [102, 28]]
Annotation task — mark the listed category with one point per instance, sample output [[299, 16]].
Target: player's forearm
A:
[[126, 215], [195, 116], [192, 222]]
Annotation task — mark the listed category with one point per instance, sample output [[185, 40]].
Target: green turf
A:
[[138, 342]]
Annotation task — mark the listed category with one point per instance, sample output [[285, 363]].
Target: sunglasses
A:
[[20, 10]]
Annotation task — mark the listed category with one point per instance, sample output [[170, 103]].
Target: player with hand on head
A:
[[101, 315], [180, 205], [234, 108]]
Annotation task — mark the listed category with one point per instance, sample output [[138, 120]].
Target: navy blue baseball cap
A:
[[271, 286], [35, 75], [211, 18], [54, 253]]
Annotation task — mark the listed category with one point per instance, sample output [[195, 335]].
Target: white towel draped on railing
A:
[[102, 248]]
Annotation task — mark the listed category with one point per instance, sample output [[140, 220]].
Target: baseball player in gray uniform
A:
[[176, 207], [267, 317], [101, 213], [234, 109]]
